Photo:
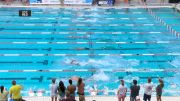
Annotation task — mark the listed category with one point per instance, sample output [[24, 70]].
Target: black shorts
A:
[[159, 95], [147, 97]]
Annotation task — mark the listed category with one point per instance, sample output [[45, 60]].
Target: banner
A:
[[44, 1], [88, 2]]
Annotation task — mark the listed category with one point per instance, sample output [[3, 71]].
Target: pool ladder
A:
[[168, 27]]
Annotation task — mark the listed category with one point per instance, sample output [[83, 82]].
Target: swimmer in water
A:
[[74, 62]]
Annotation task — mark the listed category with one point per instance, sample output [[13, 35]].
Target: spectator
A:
[[122, 91], [8, 2], [144, 1], [53, 90], [80, 87], [15, 91], [61, 91], [129, 1], [134, 91], [148, 90], [71, 90], [159, 90], [3, 94]]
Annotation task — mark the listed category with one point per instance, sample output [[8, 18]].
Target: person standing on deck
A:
[[53, 90], [80, 92], [15, 92], [71, 90], [148, 90]]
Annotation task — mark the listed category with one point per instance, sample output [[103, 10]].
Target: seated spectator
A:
[[3, 94]]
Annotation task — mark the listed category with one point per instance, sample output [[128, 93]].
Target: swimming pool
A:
[[99, 45]]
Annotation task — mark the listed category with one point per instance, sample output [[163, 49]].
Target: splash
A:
[[176, 62], [173, 80], [130, 78], [107, 62], [100, 76]]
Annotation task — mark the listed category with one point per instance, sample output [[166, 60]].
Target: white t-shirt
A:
[[148, 88], [53, 89], [122, 90]]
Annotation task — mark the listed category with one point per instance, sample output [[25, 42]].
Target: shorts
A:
[[147, 97], [53, 95], [158, 95], [122, 96]]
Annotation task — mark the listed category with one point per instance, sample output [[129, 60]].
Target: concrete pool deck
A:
[[119, 4], [101, 98]]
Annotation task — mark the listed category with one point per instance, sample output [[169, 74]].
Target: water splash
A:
[[130, 78], [176, 62], [100, 76], [104, 62], [173, 80]]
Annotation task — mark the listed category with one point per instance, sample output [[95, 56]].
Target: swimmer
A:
[[74, 62], [173, 85]]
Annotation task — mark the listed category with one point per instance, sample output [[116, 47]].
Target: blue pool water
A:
[[99, 45]]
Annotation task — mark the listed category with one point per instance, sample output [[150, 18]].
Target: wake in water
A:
[[107, 62], [100, 76], [130, 78], [176, 62]]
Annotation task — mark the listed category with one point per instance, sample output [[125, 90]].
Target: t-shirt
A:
[[15, 91], [148, 88], [53, 89], [122, 90], [3, 96], [134, 90]]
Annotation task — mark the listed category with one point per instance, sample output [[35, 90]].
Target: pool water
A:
[[100, 45]]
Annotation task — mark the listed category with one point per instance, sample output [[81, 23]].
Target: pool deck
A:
[[101, 98], [119, 4]]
